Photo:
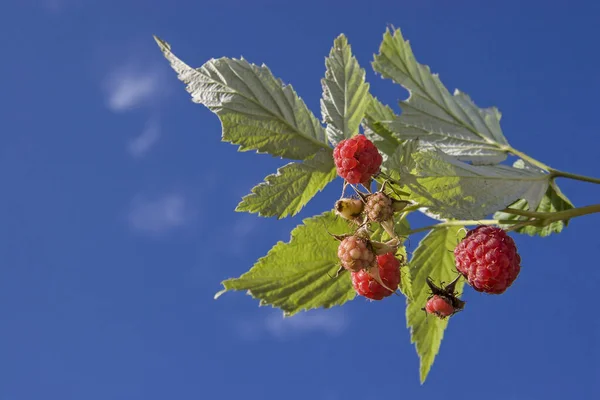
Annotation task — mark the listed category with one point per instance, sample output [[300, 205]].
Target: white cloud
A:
[[332, 322], [159, 215], [131, 86], [139, 146]]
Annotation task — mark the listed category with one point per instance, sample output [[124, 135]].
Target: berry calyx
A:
[[367, 285], [356, 159], [356, 253], [439, 306], [379, 207], [488, 258]]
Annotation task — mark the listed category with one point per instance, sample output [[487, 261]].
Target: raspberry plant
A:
[[442, 156]]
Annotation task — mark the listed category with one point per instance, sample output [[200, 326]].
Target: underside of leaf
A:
[[257, 111], [451, 123], [451, 189]]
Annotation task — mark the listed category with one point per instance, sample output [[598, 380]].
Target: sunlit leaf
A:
[[291, 188], [452, 189], [345, 92], [553, 201], [300, 275]]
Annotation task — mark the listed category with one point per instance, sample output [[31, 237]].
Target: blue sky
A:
[[117, 221]]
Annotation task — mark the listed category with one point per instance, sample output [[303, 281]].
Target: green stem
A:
[[536, 218], [554, 173], [527, 158], [549, 217], [522, 213], [458, 223], [560, 174]]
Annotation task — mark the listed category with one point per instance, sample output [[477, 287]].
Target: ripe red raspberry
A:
[[356, 253], [440, 306], [389, 272], [488, 258], [356, 159], [379, 207]]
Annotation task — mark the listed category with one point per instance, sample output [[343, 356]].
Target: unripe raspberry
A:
[[439, 306], [356, 253], [379, 207], [356, 159], [488, 258], [389, 272], [350, 209]]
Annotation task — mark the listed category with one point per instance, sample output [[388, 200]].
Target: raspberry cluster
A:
[[389, 272], [356, 159], [487, 257]]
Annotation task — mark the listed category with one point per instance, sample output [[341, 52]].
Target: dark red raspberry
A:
[[488, 258], [379, 207], [356, 253], [389, 272], [356, 159], [440, 306]]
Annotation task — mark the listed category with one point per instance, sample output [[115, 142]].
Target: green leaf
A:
[[291, 188], [375, 127], [452, 123], [553, 201], [300, 275], [345, 92], [433, 258], [451, 189], [257, 111]]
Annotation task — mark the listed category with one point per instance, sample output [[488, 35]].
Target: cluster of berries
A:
[[374, 267], [487, 257]]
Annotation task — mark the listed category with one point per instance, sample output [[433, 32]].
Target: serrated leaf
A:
[[345, 92], [375, 127], [451, 189], [291, 188], [452, 123], [300, 275], [553, 201], [433, 258], [257, 111]]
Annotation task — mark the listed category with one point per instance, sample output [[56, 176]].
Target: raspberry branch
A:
[[561, 174], [554, 173], [536, 219]]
